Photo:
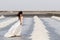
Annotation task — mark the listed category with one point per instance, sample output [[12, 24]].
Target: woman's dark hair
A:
[[20, 13]]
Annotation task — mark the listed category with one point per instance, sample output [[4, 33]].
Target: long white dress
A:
[[14, 30]]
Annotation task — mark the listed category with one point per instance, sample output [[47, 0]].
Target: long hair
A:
[[20, 13]]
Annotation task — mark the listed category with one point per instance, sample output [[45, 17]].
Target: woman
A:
[[20, 16], [15, 30]]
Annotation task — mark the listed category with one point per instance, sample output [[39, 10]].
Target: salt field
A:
[[33, 28]]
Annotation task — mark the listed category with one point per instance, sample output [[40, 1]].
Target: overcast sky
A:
[[30, 5]]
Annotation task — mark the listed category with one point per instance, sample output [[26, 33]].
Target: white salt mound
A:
[[55, 17], [2, 16], [39, 32], [7, 22]]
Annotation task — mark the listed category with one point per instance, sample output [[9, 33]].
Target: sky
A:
[[30, 5]]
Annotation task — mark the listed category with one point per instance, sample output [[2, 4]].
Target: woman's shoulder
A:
[[22, 17]]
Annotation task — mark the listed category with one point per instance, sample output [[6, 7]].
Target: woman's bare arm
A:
[[21, 20]]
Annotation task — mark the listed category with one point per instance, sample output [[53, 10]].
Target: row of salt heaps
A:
[[55, 17], [39, 32], [7, 22]]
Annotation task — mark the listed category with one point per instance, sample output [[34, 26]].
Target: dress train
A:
[[14, 30]]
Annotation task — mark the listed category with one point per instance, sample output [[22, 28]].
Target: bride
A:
[[15, 30]]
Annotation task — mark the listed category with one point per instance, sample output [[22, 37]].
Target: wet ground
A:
[[52, 25]]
